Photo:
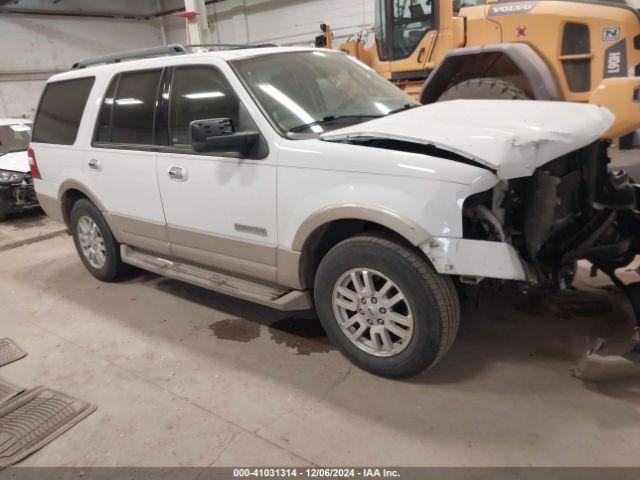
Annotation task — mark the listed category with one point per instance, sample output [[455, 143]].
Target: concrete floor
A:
[[29, 227], [185, 377]]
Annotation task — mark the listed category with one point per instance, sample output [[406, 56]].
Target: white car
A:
[[16, 185], [299, 178]]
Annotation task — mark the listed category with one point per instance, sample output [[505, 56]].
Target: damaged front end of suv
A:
[[556, 199], [570, 209]]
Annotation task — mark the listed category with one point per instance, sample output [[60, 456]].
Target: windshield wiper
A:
[[406, 106], [329, 118]]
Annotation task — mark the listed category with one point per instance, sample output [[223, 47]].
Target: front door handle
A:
[[95, 165], [178, 174]]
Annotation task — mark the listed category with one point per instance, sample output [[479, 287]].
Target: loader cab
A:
[[401, 25]]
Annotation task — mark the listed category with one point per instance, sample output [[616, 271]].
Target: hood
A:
[[15, 161], [513, 138]]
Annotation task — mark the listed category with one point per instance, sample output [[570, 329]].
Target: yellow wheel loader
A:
[[555, 50], [570, 50]]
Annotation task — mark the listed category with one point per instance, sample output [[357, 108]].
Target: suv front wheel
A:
[[384, 307], [98, 249]]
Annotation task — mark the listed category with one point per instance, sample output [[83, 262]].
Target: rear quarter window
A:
[[60, 111]]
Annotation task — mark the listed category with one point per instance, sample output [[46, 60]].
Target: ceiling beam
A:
[[72, 13], [88, 14]]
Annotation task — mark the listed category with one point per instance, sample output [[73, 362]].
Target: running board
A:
[[274, 297]]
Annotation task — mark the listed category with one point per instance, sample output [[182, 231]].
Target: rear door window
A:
[[60, 111], [103, 129], [133, 107]]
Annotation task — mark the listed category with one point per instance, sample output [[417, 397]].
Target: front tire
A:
[[384, 307], [96, 245]]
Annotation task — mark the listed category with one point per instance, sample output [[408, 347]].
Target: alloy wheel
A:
[[373, 312]]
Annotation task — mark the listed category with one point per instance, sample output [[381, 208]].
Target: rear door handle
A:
[[95, 165], [178, 174]]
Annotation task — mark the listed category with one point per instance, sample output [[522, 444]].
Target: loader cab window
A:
[[458, 4], [401, 25]]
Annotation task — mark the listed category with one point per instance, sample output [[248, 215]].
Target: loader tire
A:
[[484, 88]]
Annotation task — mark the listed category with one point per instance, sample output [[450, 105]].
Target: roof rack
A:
[[132, 55], [175, 49], [231, 46]]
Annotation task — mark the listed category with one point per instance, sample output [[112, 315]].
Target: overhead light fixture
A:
[[129, 101], [199, 95]]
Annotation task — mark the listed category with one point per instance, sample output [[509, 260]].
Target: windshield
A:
[[15, 137], [318, 91]]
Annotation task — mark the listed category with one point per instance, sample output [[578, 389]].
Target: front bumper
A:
[[17, 197], [475, 258]]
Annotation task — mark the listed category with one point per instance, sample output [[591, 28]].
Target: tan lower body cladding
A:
[[256, 260]]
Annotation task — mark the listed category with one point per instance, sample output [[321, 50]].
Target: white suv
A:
[[298, 177]]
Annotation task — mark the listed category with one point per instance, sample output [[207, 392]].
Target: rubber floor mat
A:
[[33, 419], [8, 391], [10, 352]]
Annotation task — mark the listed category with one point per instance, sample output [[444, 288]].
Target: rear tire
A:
[[484, 88], [389, 339], [96, 245]]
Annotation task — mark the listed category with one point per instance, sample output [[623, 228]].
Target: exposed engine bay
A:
[[572, 208]]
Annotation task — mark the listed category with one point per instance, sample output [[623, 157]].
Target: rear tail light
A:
[[33, 165]]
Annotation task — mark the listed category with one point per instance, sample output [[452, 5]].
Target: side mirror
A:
[[216, 135]]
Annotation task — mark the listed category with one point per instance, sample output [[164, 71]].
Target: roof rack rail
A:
[[175, 49], [232, 46], [133, 54]]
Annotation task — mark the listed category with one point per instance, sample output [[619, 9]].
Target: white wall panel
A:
[[34, 47], [37, 46], [19, 98], [285, 22]]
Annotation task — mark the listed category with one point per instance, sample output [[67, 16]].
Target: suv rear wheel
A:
[[98, 249], [384, 307]]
